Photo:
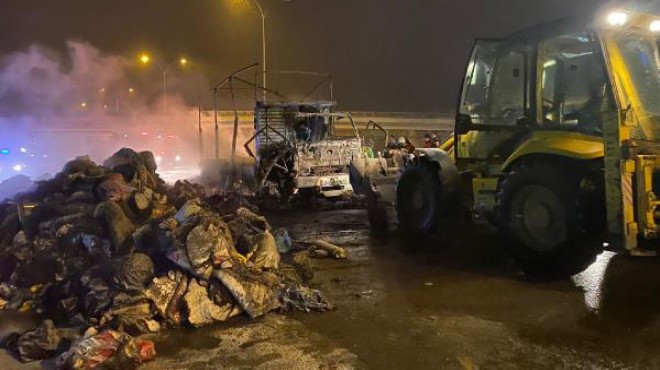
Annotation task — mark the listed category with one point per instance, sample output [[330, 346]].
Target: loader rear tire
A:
[[419, 193], [548, 220]]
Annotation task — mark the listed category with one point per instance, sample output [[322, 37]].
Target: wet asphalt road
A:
[[463, 304], [434, 305]]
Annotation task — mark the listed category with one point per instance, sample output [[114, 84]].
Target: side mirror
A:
[[463, 124]]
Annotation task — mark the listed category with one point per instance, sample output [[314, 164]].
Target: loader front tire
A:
[[418, 199]]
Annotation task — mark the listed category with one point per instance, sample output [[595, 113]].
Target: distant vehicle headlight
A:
[[17, 168], [177, 158]]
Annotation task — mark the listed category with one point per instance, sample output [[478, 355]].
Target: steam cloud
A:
[[56, 106]]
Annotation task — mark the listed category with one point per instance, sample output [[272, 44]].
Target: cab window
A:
[[643, 59], [494, 87], [574, 92]]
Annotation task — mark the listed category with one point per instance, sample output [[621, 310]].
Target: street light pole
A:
[[263, 50], [264, 69], [263, 46], [145, 59], [165, 87]]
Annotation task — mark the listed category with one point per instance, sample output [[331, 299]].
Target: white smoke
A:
[[55, 106]]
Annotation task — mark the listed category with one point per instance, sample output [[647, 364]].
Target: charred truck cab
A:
[[557, 142], [297, 151]]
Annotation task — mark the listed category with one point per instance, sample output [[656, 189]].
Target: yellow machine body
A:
[[626, 142]]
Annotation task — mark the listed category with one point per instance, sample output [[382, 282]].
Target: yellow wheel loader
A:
[[556, 142]]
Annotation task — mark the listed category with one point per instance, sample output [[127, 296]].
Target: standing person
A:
[[391, 142], [409, 146], [303, 132], [401, 142], [435, 141], [427, 140]]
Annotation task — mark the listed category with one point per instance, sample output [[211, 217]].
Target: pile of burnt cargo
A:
[[105, 254]]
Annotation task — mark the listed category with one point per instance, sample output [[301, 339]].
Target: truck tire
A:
[[419, 192], [548, 218]]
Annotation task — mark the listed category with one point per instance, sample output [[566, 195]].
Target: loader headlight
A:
[[617, 18]]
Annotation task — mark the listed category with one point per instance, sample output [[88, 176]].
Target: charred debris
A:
[[104, 254]]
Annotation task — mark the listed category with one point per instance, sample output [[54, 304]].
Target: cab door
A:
[[494, 101]]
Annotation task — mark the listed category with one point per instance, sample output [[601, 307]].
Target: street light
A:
[[146, 59], [264, 70], [263, 45]]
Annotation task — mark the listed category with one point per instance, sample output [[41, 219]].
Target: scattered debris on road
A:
[[109, 253], [322, 248]]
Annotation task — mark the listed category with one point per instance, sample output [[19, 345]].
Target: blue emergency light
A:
[[4, 151]]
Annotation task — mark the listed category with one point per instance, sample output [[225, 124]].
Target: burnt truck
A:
[[299, 148], [298, 152], [307, 149]]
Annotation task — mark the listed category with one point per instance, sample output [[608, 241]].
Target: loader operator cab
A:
[[560, 77], [507, 93], [573, 84], [557, 141], [568, 97]]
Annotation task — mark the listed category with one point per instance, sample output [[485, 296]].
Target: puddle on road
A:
[[622, 291], [591, 280]]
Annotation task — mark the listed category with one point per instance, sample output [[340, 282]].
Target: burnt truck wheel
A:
[[548, 217], [418, 198]]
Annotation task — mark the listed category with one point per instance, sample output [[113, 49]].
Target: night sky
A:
[[386, 55]]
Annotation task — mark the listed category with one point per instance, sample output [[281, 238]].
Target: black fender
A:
[[450, 177]]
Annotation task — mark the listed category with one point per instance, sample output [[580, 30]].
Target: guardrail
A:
[[388, 120]]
